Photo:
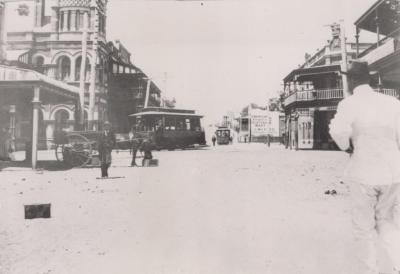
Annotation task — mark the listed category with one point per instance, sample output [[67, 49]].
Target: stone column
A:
[[39, 13], [55, 28], [65, 20], [12, 112], [35, 125], [73, 70], [73, 21], [49, 134]]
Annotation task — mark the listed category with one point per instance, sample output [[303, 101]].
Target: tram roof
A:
[[164, 113]]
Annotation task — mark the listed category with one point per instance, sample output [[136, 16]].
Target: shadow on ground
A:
[[49, 165]]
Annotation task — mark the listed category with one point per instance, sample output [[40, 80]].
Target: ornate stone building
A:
[[49, 36], [66, 40]]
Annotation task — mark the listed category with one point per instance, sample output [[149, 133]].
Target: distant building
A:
[[312, 92], [255, 124], [228, 120]]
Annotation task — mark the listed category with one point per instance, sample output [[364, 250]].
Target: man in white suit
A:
[[367, 124]]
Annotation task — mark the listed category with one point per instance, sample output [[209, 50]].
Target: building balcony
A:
[[328, 94], [311, 95], [376, 52]]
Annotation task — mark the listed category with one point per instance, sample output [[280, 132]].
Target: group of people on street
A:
[[107, 142]]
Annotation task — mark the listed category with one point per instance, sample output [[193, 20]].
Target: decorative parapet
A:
[[75, 3]]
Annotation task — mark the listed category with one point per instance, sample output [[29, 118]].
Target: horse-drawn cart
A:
[[77, 148]]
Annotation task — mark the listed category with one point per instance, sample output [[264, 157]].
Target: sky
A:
[[219, 56]]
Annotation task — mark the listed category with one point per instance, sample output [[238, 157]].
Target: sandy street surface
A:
[[230, 209]]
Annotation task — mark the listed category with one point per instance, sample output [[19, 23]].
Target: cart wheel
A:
[[79, 151]]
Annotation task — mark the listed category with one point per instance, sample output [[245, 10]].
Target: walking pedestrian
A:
[[106, 143], [213, 139], [367, 125]]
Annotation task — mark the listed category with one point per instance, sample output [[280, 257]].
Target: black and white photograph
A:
[[199, 137]]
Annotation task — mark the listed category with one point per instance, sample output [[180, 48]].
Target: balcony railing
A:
[[390, 92], [375, 46], [328, 94], [325, 94], [374, 53], [310, 95]]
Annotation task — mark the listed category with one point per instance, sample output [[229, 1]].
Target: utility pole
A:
[[92, 88], [146, 101], [83, 70], [249, 122], [346, 92]]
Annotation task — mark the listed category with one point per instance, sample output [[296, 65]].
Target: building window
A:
[[61, 117], [78, 69], [38, 62], [64, 68], [61, 20], [79, 18], [69, 18]]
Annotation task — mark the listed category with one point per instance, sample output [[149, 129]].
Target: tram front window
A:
[[187, 121], [169, 123]]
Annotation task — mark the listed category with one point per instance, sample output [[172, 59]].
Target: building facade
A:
[[313, 91], [383, 57], [65, 40], [257, 124]]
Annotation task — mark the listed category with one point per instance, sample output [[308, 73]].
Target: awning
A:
[[12, 76], [386, 14], [38, 87], [159, 113], [311, 71]]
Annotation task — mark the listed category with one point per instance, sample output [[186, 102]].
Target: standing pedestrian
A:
[[3, 144], [106, 143], [135, 144], [367, 124], [269, 140], [146, 148], [213, 139]]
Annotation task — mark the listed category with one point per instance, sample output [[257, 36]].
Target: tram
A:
[[169, 128], [223, 135]]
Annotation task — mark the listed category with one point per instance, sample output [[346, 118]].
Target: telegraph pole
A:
[[346, 92], [92, 88], [83, 70], [146, 101]]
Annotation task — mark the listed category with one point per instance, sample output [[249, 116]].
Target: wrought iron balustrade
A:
[[310, 95], [390, 92], [328, 94]]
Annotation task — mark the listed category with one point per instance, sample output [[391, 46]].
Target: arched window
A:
[[64, 68], [38, 62], [78, 69], [61, 117]]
